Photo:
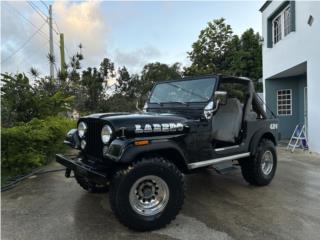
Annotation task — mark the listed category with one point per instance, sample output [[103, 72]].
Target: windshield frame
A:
[[213, 77]]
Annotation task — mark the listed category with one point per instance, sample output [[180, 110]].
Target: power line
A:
[[39, 12], [45, 4], [65, 48], [24, 62], [24, 44], [57, 26], [45, 18], [58, 44], [57, 32], [38, 30], [35, 5], [26, 19]]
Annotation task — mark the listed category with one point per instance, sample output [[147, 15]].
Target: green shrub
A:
[[29, 145]]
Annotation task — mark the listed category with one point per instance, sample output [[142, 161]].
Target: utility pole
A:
[[62, 53], [51, 43]]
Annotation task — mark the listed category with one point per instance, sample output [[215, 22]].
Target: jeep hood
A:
[[139, 123]]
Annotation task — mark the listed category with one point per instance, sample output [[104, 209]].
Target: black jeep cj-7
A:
[[188, 124]]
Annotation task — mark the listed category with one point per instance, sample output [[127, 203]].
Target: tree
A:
[[123, 81], [92, 83], [34, 73], [91, 86], [132, 88], [75, 64], [107, 69], [21, 102], [47, 85], [118, 103], [247, 59], [217, 50], [209, 52], [155, 72], [51, 58], [17, 99]]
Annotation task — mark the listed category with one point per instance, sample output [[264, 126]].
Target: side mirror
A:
[[220, 97], [209, 110]]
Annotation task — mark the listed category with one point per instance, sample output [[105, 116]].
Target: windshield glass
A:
[[196, 90]]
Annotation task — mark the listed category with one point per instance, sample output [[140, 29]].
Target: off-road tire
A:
[[90, 186], [251, 166], [125, 179]]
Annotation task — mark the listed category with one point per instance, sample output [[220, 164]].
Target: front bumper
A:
[[77, 165]]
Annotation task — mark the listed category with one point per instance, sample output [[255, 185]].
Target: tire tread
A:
[[120, 176], [250, 168]]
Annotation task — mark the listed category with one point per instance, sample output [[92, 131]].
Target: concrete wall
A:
[[302, 45], [287, 123], [302, 83]]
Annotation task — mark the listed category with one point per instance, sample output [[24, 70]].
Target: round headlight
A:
[[106, 133], [82, 128]]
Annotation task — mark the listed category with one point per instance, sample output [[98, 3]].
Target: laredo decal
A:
[[164, 127]]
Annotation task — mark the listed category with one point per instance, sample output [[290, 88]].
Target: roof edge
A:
[[265, 5]]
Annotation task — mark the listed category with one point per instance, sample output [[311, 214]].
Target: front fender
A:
[[72, 139], [129, 151]]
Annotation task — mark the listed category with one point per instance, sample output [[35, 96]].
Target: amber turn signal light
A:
[[141, 142]]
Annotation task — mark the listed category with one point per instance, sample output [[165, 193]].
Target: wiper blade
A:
[[188, 91], [183, 103]]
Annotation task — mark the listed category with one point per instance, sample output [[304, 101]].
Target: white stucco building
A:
[[291, 65]]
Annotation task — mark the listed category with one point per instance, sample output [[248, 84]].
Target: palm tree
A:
[[51, 58], [62, 76], [34, 73]]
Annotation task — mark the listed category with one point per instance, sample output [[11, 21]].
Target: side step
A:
[[217, 160]]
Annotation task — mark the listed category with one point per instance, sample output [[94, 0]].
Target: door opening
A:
[[305, 108]]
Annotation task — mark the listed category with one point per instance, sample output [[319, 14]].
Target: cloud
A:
[[135, 60], [17, 53], [81, 22]]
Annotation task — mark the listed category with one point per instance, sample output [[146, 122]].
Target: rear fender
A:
[[262, 133]]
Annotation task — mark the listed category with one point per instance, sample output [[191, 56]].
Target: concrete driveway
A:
[[218, 207]]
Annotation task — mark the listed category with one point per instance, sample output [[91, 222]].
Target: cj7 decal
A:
[[273, 126]]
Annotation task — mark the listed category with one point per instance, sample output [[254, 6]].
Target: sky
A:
[[129, 33]]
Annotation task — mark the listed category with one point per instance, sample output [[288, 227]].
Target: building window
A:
[[284, 102], [282, 24], [277, 29], [287, 21]]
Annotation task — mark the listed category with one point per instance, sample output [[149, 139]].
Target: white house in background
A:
[[291, 65]]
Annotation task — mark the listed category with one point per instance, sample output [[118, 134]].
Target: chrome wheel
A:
[[149, 195], [267, 162]]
